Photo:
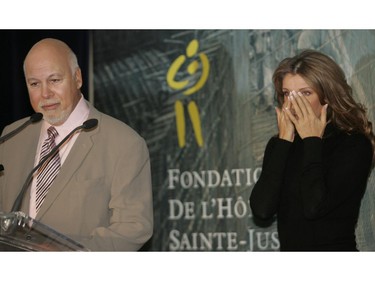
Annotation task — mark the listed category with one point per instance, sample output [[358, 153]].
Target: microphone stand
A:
[[36, 117], [17, 203]]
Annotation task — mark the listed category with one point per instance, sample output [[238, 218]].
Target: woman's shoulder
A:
[[356, 141], [333, 132]]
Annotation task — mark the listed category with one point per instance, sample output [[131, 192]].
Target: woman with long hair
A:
[[315, 170]]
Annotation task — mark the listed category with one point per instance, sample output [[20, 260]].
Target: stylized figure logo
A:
[[192, 85]]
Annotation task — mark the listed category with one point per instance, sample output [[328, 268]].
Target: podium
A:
[[19, 232]]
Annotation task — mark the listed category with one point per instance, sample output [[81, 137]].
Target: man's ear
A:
[[78, 78]]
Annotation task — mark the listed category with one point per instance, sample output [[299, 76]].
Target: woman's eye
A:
[[306, 93], [286, 94]]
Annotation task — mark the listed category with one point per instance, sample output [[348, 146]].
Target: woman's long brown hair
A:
[[326, 77]]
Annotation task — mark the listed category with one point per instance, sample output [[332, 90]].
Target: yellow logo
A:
[[198, 61]]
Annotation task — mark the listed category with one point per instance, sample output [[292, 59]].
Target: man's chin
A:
[[55, 120]]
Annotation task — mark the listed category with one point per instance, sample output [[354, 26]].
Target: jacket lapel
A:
[[76, 156], [28, 163]]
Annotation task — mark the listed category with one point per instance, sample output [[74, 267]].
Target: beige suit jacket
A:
[[102, 196]]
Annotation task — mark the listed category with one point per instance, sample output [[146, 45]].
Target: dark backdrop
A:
[[14, 45]]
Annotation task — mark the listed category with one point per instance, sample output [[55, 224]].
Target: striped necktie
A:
[[49, 170]]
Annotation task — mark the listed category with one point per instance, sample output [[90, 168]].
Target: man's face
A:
[[52, 84]]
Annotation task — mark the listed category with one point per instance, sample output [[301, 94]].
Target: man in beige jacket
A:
[[102, 194]]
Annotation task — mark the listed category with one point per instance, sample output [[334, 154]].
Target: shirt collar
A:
[[75, 119]]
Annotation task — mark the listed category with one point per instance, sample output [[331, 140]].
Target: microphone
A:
[[36, 117], [87, 125]]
